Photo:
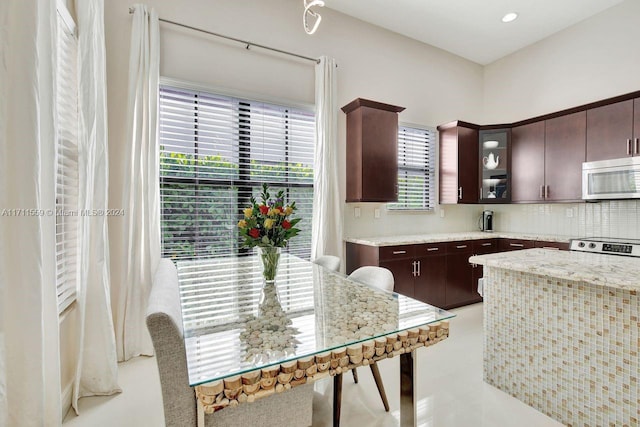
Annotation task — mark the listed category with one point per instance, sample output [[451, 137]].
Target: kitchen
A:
[[591, 59]]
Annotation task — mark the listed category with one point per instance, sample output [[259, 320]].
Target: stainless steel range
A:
[[607, 245]]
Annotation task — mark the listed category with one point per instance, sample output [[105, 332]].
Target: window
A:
[[67, 221], [416, 169], [215, 153]]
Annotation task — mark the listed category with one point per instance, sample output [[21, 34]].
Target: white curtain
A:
[[141, 194], [97, 367], [327, 217], [30, 376]]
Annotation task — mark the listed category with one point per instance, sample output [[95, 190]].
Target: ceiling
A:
[[473, 28]]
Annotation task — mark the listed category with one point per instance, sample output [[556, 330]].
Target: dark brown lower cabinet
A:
[[402, 270], [460, 275], [431, 281], [482, 247]]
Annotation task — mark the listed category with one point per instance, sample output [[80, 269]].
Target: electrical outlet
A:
[[441, 213], [569, 212], [376, 213], [356, 212]]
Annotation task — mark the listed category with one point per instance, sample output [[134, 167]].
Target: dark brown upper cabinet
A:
[[527, 163], [372, 151], [613, 131], [458, 163], [494, 165], [564, 152]]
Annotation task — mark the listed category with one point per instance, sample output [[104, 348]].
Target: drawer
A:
[[563, 246], [516, 244], [485, 246], [460, 247], [427, 249], [396, 252]]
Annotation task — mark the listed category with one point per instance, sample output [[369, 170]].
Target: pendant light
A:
[[308, 4]]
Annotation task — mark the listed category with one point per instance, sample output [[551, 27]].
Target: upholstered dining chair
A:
[[329, 262], [164, 321], [380, 278]]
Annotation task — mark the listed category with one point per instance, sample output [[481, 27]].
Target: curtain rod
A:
[[247, 44]]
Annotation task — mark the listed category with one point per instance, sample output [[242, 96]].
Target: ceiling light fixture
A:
[[308, 13], [510, 17]]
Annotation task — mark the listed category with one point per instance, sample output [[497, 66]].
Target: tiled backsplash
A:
[[607, 219]]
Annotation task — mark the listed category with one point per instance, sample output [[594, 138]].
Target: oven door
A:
[[611, 179]]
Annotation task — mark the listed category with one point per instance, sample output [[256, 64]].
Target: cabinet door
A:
[[565, 146], [527, 162], [468, 165], [636, 127], [402, 270], [609, 131], [459, 275], [379, 155], [431, 281], [494, 166], [458, 165]]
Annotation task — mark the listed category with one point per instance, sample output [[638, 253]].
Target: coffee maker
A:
[[486, 221]]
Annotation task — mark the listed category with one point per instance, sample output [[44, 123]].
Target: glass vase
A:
[[270, 258]]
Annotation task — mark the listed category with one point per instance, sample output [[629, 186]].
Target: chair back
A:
[[378, 277], [164, 321], [329, 262]]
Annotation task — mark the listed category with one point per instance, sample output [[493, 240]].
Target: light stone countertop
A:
[[449, 237], [602, 270]]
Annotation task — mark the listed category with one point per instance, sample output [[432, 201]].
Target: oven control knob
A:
[[592, 245], [581, 244]]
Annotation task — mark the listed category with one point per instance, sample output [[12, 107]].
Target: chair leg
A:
[[337, 399], [355, 375], [378, 378]]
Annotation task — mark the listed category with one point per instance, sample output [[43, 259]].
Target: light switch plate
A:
[[356, 212], [441, 213], [376, 213]]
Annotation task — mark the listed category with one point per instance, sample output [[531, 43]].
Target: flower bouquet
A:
[[268, 225]]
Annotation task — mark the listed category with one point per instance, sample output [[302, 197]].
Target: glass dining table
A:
[[311, 324]]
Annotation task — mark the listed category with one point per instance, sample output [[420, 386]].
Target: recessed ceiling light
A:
[[511, 16]]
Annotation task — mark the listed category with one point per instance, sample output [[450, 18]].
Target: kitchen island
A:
[[562, 333]]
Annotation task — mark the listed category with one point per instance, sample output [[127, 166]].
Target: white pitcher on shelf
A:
[[491, 162]]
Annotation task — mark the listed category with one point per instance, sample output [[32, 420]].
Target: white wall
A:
[[595, 59], [433, 85]]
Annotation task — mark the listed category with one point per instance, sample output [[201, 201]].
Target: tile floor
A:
[[450, 389]]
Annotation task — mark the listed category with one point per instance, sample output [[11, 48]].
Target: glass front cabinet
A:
[[495, 179]]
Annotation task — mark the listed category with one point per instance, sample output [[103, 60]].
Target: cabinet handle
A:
[[460, 193], [487, 244], [542, 191], [481, 193], [461, 246], [637, 143], [550, 247], [432, 249], [413, 272], [418, 268], [546, 191], [516, 245], [396, 189], [399, 252], [628, 147]]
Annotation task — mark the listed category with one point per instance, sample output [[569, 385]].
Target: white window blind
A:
[[416, 169], [67, 221], [215, 153]]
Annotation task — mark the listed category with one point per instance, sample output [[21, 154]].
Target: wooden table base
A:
[[232, 391]]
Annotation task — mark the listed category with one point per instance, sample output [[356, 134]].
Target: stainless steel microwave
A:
[[611, 179]]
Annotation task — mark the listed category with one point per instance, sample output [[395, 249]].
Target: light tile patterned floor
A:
[[450, 389]]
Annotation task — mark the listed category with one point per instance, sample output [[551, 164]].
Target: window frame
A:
[[430, 172], [242, 182]]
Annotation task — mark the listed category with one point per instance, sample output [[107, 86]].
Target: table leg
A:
[[408, 401], [337, 399]]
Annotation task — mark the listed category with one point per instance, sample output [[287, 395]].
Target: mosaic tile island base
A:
[[561, 333]]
